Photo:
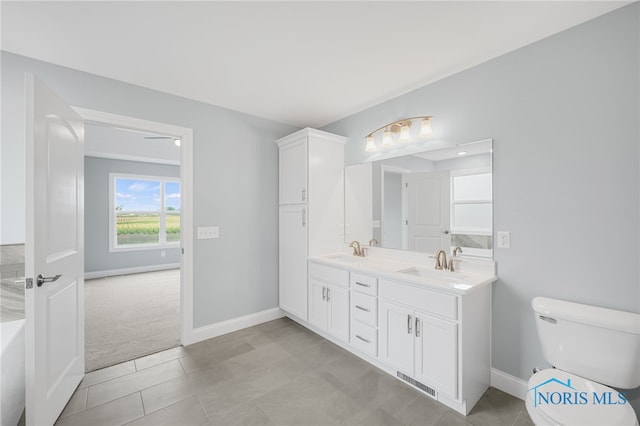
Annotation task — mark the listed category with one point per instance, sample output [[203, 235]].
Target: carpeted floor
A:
[[130, 316]]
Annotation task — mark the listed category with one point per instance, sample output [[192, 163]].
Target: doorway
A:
[[173, 289]]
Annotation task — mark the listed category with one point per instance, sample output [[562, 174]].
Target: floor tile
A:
[[523, 419], [179, 388], [378, 417], [76, 404], [247, 414], [258, 359], [114, 413], [311, 416], [216, 354], [159, 358], [347, 368], [225, 396], [422, 411], [495, 408], [108, 373], [134, 382], [452, 418], [188, 412]]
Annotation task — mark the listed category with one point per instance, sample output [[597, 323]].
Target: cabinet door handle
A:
[[409, 324], [362, 284], [363, 309], [304, 217], [417, 327], [323, 292], [304, 195], [363, 339], [328, 293]]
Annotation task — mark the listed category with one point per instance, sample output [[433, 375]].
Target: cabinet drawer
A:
[[329, 275], [364, 283], [445, 305], [364, 308], [364, 338]]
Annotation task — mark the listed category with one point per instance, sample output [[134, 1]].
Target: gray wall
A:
[[235, 180], [96, 211], [564, 116]]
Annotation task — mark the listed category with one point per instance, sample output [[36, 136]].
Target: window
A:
[[145, 212]]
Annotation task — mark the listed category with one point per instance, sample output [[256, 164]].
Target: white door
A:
[[437, 354], [293, 173], [318, 304], [293, 260], [428, 223], [338, 317], [54, 251], [396, 336]]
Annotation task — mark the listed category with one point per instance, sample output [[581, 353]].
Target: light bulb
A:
[[462, 152], [387, 139], [425, 128], [371, 144], [405, 134], [177, 142]]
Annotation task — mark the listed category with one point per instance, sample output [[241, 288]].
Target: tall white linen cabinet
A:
[[311, 189]]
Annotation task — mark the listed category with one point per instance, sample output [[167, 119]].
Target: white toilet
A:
[[591, 349]]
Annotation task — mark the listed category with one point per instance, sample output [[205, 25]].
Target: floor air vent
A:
[[414, 382]]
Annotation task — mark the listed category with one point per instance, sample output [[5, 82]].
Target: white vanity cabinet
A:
[[364, 313], [311, 197], [329, 300]]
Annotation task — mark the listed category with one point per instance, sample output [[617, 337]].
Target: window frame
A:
[[162, 237]]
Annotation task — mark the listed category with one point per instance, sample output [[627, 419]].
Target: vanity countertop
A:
[[418, 274]]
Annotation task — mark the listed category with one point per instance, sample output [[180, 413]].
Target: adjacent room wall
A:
[[235, 171], [97, 257], [564, 117]]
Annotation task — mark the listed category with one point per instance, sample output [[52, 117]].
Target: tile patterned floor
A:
[[277, 373]]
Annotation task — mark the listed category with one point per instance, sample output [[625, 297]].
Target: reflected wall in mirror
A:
[[424, 201]]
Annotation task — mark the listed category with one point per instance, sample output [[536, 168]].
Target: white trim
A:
[[512, 385], [130, 158], [218, 329], [186, 193], [128, 271]]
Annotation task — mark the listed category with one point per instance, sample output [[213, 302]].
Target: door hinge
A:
[[182, 251], [29, 283]]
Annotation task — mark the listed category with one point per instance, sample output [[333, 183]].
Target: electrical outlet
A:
[[208, 232], [504, 240]]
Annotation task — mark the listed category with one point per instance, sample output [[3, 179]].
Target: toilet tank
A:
[[595, 343]]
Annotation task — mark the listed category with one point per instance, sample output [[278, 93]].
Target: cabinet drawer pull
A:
[[362, 284], [304, 195], [304, 217], [363, 309], [323, 293], [328, 293], [417, 327], [409, 324], [363, 339]]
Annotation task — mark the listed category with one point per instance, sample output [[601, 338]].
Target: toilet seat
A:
[[556, 397]]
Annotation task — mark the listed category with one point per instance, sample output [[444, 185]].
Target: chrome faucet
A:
[[373, 242], [441, 260], [357, 250], [454, 259]]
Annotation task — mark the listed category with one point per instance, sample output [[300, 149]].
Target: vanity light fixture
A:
[[401, 128]]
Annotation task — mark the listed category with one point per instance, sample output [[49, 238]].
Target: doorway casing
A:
[[186, 215]]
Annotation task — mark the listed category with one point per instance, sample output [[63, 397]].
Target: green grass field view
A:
[[145, 229]]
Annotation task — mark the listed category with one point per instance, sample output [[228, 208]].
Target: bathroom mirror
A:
[[424, 201]]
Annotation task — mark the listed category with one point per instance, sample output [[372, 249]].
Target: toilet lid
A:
[[567, 399]]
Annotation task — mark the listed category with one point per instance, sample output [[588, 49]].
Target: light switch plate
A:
[[208, 232], [504, 239]]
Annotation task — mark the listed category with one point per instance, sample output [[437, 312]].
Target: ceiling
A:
[[302, 63]]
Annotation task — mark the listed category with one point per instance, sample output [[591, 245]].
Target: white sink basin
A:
[[347, 258], [449, 277]]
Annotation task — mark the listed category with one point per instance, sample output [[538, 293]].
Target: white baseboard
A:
[[510, 384], [218, 329], [127, 271]]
